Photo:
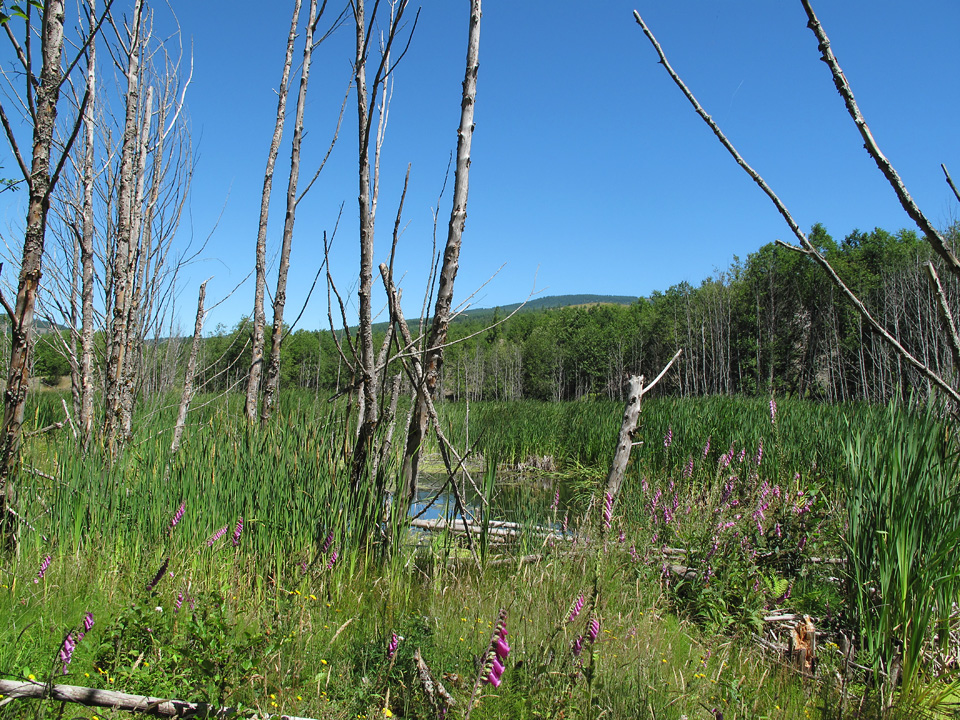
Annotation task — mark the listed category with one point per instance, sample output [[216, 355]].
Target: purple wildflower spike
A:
[[333, 559], [43, 568], [773, 411], [327, 543], [556, 501], [66, 651], [178, 515], [759, 452], [706, 449], [608, 511], [688, 470], [217, 535], [575, 610], [577, 646], [178, 603], [594, 630], [238, 530], [159, 576], [668, 438], [392, 647]]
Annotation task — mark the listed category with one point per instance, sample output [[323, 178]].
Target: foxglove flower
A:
[[178, 515], [668, 438], [577, 647], [556, 501], [575, 609], [773, 411], [43, 569], [217, 535], [759, 451], [333, 559], [392, 647], [178, 603], [327, 543], [238, 530], [66, 651], [594, 630], [497, 653], [706, 449]]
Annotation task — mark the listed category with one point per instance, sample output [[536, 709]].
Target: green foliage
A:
[[902, 498]]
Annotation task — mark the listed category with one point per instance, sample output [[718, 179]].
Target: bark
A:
[[93, 697], [113, 419], [433, 357], [187, 396], [259, 318], [22, 320], [272, 383], [367, 366], [86, 260]]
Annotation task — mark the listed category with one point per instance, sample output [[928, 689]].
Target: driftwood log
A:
[[94, 697]]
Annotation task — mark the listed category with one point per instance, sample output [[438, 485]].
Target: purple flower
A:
[[594, 630], [160, 573], [608, 511], [688, 470], [668, 438], [217, 535], [706, 449], [178, 515], [178, 603], [43, 569], [577, 646], [333, 559], [66, 651], [556, 501], [575, 610], [633, 553], [237, 532], [327, 543], [497, 652], [773, 411], [759, 451], [392, 647]]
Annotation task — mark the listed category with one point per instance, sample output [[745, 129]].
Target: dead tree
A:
[[42, 95], [433, 352], [932, 235], [272, 383], [367, 92], [259, 318]]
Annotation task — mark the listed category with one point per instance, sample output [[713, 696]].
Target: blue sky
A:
[[591, 173]]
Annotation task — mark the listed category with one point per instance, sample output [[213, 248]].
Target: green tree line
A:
[[770, 323]]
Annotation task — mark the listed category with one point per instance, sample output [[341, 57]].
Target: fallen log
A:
[[94, 697]]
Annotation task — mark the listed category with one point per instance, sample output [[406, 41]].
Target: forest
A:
[[772, 324]]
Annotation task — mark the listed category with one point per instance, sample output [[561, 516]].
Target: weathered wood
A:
[[187, 396], [631, 416], [94, 697]]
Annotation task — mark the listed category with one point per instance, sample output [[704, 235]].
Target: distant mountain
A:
[[551, 301]]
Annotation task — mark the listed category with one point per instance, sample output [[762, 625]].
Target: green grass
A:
[[273, 626]]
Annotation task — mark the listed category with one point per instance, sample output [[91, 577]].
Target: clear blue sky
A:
[[591, 173]]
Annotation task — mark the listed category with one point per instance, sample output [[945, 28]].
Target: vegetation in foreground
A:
[[230, 574]]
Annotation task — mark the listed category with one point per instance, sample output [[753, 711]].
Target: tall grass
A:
[[902, 496]]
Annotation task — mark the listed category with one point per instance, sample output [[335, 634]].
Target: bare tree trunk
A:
[[272, 383], [85, 414], [367, 366], [22, 315], [433, 358], [124, 232], [191, 371], [259, 318]]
